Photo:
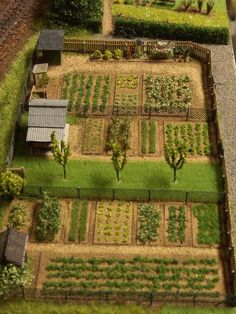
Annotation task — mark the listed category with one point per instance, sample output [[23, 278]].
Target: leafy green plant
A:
[[97, 55], [13, 277], [149, 222], [107, 55], [152, 136], [18, 216], [118, 54], [48, 218], [11, 184]]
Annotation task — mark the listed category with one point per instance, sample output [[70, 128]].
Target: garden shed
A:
[[13, 246], [50, 46], [46, 116]]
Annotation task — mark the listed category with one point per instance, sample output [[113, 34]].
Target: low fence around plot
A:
[[141, 195], [150, 298]]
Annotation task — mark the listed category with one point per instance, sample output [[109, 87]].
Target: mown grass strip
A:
[[83, 221], [74, 221]]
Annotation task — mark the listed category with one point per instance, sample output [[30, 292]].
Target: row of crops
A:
[[192, 275]]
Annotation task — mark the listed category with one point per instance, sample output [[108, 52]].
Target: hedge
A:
[[166, 30]]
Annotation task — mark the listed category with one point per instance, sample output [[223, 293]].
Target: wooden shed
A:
[[13, 246], [46, 116], [50, 46]]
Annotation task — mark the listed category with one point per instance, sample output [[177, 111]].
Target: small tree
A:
[[11, 184], [118, 159], [200, 4], [187, 3], [61, 152], [175, 157]]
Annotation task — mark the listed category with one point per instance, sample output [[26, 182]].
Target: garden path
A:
[[107, 19]]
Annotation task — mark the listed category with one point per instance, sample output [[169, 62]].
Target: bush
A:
[[166, 30], [118, 54], [18, 216], [161, 54], [48, 219], [11, 184], [97, 55], [107, 55], [12, 277]]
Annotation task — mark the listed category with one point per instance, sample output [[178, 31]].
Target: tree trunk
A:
[[64, 169], [174, 175], [118, 175]]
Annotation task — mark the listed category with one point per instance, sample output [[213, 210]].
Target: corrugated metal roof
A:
[[42, 102], [47, 121], [43, 134], [45, 111], [15, 244], [51, 40]]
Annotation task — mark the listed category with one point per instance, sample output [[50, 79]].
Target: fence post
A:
[[66, 296], [187, 115], [194, 299], [113, 194], [149, 195], [23, 292], [151, 298], [83, 46], [150, 112], [40, 191], [186, 197], [78, 190]]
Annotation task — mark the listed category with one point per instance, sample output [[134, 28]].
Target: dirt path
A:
[[107, 18]]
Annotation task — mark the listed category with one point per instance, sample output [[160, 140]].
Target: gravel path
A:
[[224, 71]]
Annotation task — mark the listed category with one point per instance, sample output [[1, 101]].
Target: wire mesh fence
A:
[[142, 195]]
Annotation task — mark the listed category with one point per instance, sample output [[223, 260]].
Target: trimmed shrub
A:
[[107, 55], [118, 54], [11, 184], [18, 216], [166, 30]]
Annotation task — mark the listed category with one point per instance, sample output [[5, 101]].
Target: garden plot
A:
[[206, 225], [113, 223], [194, 135], [78, 221], [199, 276], [127, 93], [86, 92], [148, 137], [93, 142], [166, 93]]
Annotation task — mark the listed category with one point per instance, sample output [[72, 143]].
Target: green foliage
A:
[[12, 277], [161, 54], [11, 184], [152, 136], [107, 55], [176, 224], [97, 55], [172, 30], [187, 3], [118, 54], [86, 13], [73, 234], [149, 222], [210, 5], [83, 221], [200, 4], [175, 156], [208, 223], [61, 152], [18, 216], [144, 137], [118, 159], [48, 219], [43, 81]]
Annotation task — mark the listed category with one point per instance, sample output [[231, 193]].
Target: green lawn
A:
[[218, 18], [201, 176], [50, 308]]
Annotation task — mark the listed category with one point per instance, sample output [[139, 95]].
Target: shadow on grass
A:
[[98, 181]]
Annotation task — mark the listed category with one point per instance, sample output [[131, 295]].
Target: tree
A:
[[119, 144], [175, 157], [118, 159], [61, 152]]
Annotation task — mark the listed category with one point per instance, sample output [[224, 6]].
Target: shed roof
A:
[[43, 135], [46, 116], [51, 40], [13, 245], [40, 68]]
